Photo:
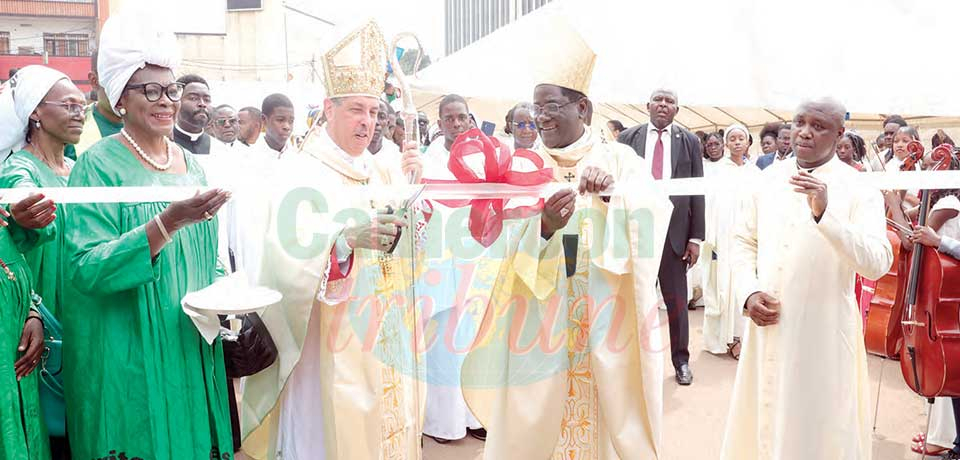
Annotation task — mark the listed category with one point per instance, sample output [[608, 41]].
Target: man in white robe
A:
[[801, 390], [447, 416], [343, 387], [385, 152]]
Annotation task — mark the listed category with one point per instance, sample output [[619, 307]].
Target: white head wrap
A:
[[732, 128], [19, 97], [129, 41]]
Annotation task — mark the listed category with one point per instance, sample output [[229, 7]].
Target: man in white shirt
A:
[[454, 120], [225, 127], [784, 149], [278, 117]]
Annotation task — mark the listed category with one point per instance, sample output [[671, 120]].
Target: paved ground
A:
[[694, 416]]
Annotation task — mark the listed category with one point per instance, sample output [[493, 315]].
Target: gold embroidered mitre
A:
[[571, 63], [356, 64]]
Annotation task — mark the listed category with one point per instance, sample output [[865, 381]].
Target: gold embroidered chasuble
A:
[[572, 366], [346, 383]]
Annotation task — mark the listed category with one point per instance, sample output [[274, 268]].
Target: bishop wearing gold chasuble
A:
[[346, 384], [569, 362]]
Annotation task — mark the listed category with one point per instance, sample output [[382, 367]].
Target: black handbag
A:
[[252, 351]]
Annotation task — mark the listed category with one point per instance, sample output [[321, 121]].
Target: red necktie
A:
[[658, 156]]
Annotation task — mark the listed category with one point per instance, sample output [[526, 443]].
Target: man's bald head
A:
[[834, 110], [817, 127]]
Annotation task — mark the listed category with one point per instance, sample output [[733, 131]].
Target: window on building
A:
[[66, 44], [4, 42], [240, 5]]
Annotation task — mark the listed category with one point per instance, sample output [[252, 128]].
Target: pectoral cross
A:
[[570, 177]]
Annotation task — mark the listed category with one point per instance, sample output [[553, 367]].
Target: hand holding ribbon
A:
[[487, 215]]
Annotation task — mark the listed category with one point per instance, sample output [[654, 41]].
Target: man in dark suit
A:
[[784, 149], [673, 152]]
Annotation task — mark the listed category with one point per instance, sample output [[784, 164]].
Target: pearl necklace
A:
[[159, 166]]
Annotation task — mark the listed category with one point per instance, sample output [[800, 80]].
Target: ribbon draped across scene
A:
[[487, 214], [920, 180]]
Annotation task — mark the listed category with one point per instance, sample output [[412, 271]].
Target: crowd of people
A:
[[775, 271]]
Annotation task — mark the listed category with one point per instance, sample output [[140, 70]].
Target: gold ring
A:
[[206, 215]]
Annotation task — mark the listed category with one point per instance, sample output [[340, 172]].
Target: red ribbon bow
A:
[[487, 215]]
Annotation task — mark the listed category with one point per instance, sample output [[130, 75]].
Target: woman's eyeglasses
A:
[[525, 125], [154, 91], [72, 108]]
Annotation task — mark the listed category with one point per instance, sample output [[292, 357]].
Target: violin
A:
[[882, 334], [930, 355]]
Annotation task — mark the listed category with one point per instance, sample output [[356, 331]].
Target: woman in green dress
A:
[[23, 434], [140, 380], [57, 121]]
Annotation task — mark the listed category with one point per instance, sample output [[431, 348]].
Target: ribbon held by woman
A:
[[487, 215]]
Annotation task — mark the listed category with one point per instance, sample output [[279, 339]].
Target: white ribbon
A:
[[921, 180]]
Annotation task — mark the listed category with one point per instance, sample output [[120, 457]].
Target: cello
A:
[[930, 355], [882, 334]]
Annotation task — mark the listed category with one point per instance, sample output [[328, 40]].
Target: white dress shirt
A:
[[667, 154]]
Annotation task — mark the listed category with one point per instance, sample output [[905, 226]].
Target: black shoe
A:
[[479, 433], [684, 375]]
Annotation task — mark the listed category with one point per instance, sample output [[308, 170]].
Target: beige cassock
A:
[[723, 211], [546, 394], [801, 390], [342, 387]]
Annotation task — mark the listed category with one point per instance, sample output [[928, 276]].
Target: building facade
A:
[[247, 40], [466, 21], [59, 34]]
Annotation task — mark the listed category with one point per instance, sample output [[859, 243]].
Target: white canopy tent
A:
[[748, 61]]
